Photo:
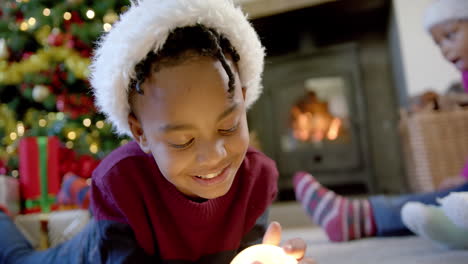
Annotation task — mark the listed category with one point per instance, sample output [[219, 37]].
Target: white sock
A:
[[455, 207], [430, 222]]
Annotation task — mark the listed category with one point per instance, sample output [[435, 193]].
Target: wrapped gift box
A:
[[39, 172], [60, 226], [9, 194]]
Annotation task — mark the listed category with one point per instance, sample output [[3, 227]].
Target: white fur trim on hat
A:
[[145, 27], [441, 11]]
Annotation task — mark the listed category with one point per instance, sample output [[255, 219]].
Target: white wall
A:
[[423, 64]]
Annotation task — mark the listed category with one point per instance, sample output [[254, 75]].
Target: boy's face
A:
[[452, 39], [195, 130]]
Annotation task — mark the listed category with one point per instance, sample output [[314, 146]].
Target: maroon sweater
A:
[[129, 189]]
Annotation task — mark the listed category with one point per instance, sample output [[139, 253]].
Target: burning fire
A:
[[312, 121]]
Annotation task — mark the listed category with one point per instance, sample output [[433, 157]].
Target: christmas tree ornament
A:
[[40, 93], [4, 53]]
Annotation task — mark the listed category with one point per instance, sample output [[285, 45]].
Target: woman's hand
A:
[[295, 247]]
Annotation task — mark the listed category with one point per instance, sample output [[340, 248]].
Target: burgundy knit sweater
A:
[[129, 189]]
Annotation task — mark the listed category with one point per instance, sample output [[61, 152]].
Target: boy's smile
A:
[[196, 130], [452, 39]]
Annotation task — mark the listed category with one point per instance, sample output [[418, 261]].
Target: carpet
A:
[[400, 250]]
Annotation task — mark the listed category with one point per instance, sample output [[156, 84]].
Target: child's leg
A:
[[347, 219], [387, 209], [342, 219], [430, 222], [13, 245]]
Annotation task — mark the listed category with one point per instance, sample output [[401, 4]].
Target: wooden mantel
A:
[[262, 8]]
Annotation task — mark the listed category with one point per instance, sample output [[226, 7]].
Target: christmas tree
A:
[[45, 49]]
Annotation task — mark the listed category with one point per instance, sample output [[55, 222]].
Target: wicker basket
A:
[[435, 145]]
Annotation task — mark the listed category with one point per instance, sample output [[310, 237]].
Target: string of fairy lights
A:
[[108, 18]]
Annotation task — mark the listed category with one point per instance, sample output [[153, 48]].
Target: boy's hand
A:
[[295, 247]]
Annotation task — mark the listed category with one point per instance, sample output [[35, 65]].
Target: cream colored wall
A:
[[424, 66]]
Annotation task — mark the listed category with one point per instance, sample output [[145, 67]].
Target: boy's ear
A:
[[138, 133]]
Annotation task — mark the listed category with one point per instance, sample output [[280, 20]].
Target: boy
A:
[[178, 76]]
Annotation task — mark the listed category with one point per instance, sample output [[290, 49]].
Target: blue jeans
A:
[[14, 248], [99, 242], [387, 209]]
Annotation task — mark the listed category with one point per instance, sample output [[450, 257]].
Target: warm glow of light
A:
[[268, 254], [303, 126], [32, 21], [13, 136], [46, 12], [87, 122], [100, 124], [24, 26], [334, 129], [93, 148], [67, 15], [15, 173], [42, 122], [90, 14], [71, 135], [69, 144], [10, 149], [20, 128], [107, 27], [312, 121]]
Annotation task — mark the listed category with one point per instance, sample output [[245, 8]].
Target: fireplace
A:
[[311, 116]]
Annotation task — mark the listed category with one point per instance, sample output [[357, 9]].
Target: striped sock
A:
[[342, 219]]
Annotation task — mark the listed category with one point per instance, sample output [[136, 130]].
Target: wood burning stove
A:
[[311, 116]]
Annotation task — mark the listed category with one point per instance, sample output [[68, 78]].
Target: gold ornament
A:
[[4, 54], [40, 93]]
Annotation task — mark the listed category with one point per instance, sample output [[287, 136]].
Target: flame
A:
[[334, 129], [312, 122]]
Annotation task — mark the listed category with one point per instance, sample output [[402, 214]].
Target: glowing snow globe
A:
[[266, 254]]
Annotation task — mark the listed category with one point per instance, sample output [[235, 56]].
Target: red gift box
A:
[[39, 172]]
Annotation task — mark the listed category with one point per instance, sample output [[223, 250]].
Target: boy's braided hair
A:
[[181, 44]]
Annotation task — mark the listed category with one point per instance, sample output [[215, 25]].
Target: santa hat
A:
[[441, 11], [145, 27]]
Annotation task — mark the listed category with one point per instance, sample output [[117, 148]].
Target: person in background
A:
[[346, 219]]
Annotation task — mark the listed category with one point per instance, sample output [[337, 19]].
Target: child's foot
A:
[[342, 219], [431, 223], [455, 207]]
